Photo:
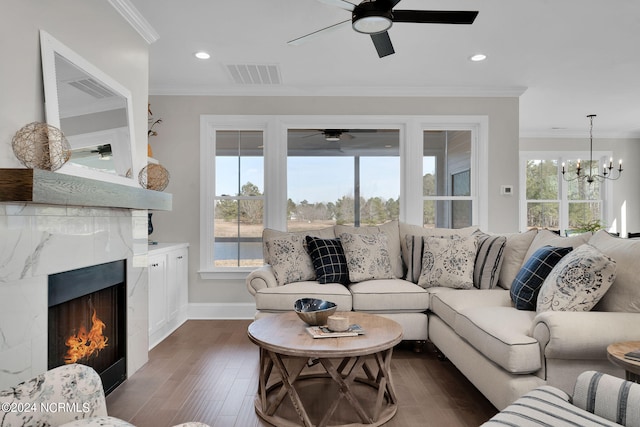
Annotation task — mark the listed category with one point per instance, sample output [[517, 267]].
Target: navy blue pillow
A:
[[526, 286], [328, 260]]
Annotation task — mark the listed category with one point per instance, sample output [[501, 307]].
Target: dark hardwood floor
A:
[[207, 371]]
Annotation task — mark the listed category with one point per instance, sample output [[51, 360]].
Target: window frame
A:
[[275, 128], [606, 187]]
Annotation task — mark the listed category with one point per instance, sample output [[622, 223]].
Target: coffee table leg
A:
[[345, 389], [266, 365], [297, 365], [385, 384]]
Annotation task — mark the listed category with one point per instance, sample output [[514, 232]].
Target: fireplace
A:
[[87, 320]]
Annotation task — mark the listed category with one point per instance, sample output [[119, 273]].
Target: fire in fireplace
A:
[[87, 320]]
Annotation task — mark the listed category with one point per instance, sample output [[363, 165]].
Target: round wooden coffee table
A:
[[616, 352], [346, 380]]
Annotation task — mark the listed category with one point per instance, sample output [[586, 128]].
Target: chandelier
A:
[[608, 171]]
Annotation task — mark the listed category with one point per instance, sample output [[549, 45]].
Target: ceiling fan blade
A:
[[383, 45], [317, 33], [435, 16], [342, 4]]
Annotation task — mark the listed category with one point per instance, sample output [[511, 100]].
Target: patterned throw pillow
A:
[[525, 287], [448, 262], [578, 281], [367, 256], [486, 269], [289, 259], [329, 262]]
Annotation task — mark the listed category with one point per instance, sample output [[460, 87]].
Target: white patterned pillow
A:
[[578, 281], [448, 262], [289, 259], [367, 256]]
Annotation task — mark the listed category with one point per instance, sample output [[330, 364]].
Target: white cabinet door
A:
[[168, 290], [157, 292], [177, 282]]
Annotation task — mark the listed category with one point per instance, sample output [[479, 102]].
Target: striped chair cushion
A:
[[609, 397], [545, 406], [598, 400]]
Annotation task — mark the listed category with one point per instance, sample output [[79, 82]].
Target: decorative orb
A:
[[154, 177], [314, 311], [41, 146]]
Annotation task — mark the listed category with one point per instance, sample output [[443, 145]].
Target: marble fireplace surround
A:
[[39, 239]]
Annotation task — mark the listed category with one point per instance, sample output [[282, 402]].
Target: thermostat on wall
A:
[[506, 190]]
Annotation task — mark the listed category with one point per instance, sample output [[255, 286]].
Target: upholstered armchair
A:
[[70, 395], [598, 400]]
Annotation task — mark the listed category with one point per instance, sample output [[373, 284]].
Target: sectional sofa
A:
[[453, 288]]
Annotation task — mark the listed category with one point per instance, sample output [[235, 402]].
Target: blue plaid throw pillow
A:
[[526, 286], [328, 260]]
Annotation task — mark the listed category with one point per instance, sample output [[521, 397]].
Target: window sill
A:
[[226, 273]]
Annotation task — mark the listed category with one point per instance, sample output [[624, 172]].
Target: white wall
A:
[[94, 30], [626, 197], [177, 148]]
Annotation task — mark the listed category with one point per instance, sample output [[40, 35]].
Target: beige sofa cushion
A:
[[546, 237], [281, 298], [447, 304], [624, 293], [502, 335], [389, 295], [390, 229], [514, 254]]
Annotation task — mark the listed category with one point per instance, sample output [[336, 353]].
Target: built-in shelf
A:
[[40, 186]]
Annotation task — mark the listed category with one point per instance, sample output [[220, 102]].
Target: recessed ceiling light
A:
[[202, 55], [478, 57]]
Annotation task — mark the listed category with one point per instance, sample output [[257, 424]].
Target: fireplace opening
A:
[[87, 320]]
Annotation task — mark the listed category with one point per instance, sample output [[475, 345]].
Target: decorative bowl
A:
[[314, 311]]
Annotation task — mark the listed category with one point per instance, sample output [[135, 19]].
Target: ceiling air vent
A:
[[254, 74], [92, 87]]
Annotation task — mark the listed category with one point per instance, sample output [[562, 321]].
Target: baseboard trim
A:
[[221, 311]]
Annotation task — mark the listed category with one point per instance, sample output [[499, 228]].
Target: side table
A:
[[615, 354]]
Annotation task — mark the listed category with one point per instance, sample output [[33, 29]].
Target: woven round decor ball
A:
[[41, 146], [154, 177]]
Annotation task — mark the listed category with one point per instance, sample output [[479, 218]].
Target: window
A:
[[239, 200], [349, 176], [300, 172], [446, 180], [551, 202]]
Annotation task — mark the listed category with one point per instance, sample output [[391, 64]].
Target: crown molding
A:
[[135, 19], [279, 90]]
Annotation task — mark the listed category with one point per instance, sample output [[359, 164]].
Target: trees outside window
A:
[[551, 202], [262, 172]]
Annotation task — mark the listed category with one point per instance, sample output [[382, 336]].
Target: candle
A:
[[562, 167]]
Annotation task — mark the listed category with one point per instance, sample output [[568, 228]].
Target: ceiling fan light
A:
[[368, 19], [372, 24]]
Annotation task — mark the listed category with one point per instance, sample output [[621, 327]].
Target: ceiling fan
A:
[[339, 134], [375, 17]]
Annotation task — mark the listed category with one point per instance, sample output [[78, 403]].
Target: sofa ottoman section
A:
[[389, 295], [501, 334], [281, 298]]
